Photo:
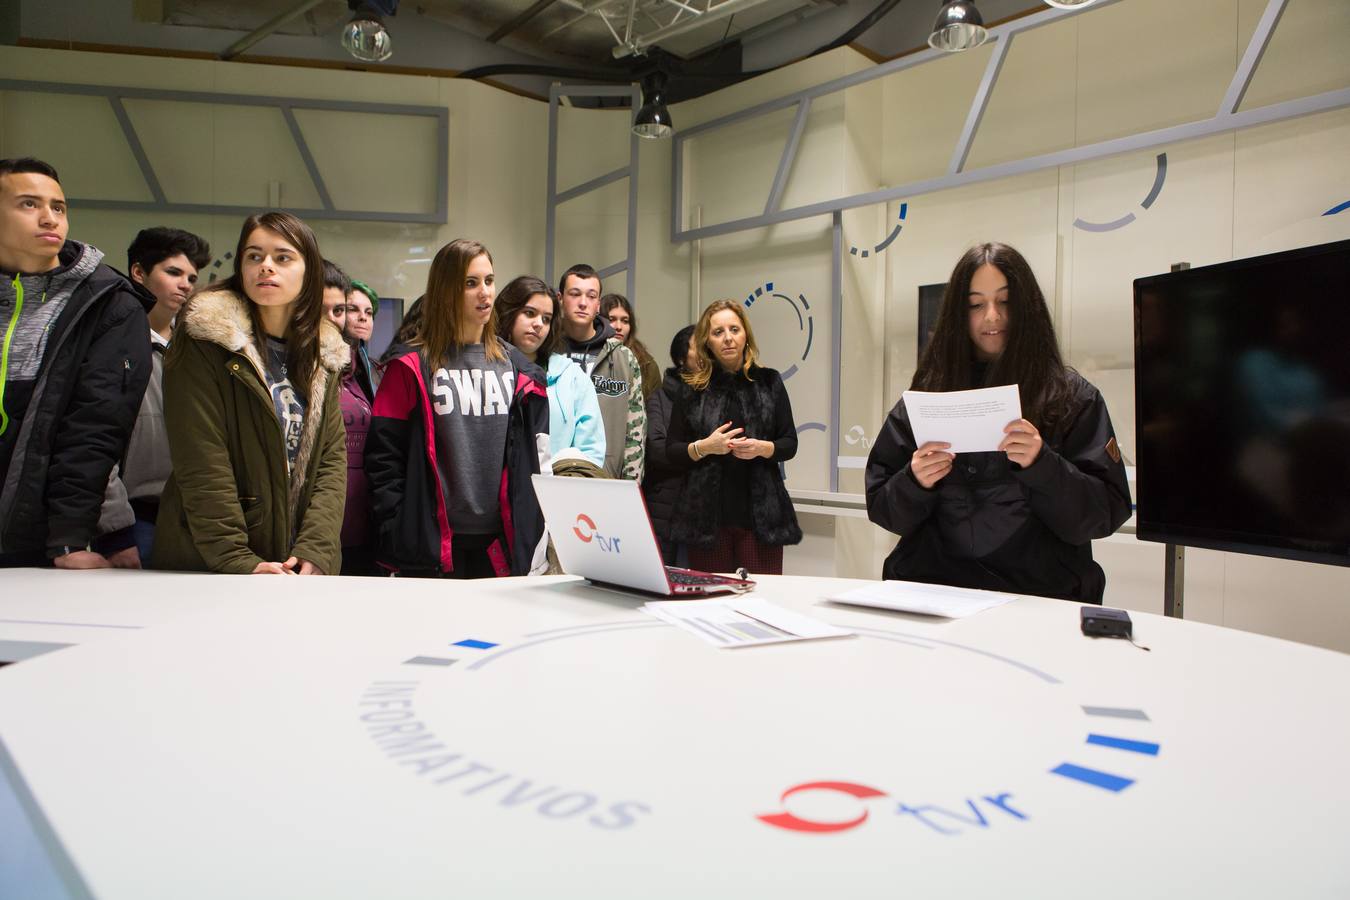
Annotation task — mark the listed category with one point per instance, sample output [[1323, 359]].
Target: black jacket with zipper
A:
[[407, 501], [992, 525], [71, 424]]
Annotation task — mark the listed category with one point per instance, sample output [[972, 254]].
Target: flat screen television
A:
[[1242, 393]]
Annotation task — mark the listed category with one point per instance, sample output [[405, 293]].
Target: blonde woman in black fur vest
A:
[[730, 428]]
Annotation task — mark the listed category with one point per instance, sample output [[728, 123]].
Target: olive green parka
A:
[[230, 503]]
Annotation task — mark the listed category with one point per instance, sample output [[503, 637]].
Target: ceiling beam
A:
[[534, 10], [268, 27], [641, 42]]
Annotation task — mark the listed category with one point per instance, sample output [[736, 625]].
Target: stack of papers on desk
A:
[[740, 621], [925, 599]]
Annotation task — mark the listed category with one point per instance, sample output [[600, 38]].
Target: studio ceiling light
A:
[[653, 119], [365, 36], [959, 27], [1069, 4]]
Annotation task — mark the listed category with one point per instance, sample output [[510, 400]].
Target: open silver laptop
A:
[[602, 532]]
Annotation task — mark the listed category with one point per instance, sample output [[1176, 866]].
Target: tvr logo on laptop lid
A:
[[586, 532]]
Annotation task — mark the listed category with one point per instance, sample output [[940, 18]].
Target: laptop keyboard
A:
[[680, 576]]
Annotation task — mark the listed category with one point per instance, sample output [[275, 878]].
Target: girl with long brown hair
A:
[[531, 321], [455, 434], [623, 319], [1022, 518], [251, 409], [730, 427]]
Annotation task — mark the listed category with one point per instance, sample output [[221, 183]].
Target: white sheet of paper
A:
[[729, 622], [925, 599], [971, 421]]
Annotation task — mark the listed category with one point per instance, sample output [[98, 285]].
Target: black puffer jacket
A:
[[71, 424], [661, 481], [766, 415], [992, 525]]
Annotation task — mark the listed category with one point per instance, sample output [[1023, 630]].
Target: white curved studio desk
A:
[[269, 737]]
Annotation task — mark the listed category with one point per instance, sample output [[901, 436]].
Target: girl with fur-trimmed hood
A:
[[251, 408]]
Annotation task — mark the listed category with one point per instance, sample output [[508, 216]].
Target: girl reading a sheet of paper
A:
[[1020, 518]]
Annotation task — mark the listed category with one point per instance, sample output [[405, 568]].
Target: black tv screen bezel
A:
[[1209, 538]]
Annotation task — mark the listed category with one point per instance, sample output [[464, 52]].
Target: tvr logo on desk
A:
[[586, 532], [972, 813], [798, 823]]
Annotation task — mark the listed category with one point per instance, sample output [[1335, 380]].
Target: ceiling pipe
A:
[[267, 28]]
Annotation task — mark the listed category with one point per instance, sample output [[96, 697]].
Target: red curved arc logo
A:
[[796, 823], [584, 536]]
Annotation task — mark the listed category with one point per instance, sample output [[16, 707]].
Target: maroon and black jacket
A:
[[407, 503]]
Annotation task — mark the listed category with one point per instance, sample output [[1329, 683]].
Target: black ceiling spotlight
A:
[[653, 119], [365, 36], [959, 27]]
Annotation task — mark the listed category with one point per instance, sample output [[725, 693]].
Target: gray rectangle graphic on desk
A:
[[751, 630]]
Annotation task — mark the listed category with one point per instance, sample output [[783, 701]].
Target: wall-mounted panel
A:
[[593, 228], [591, 143], [818, 171], [1032, 109], [356, 151], [1309, 52], [924, 111], [180, 143], [1138, 68], [80, 137], [254, 149], [729, 171]]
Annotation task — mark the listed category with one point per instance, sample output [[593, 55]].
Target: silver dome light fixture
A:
[[365, 36], [959, 26]]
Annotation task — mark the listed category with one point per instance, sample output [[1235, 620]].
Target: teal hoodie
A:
[[573, 411]]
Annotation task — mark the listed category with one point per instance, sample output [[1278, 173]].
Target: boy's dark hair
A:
[[334, 277], [27, 164], [154, 245], [679, 347], [582, 271]]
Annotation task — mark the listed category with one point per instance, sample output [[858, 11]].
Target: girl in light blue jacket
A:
[[526, 309]]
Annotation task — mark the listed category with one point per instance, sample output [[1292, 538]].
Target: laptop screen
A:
[[601, 531]]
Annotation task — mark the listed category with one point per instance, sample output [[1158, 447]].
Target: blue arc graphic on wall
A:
[[1337, 209], [805, 321], [1158, 179], [895, 233]]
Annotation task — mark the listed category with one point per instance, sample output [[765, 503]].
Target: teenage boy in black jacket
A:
[[74, 362]]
